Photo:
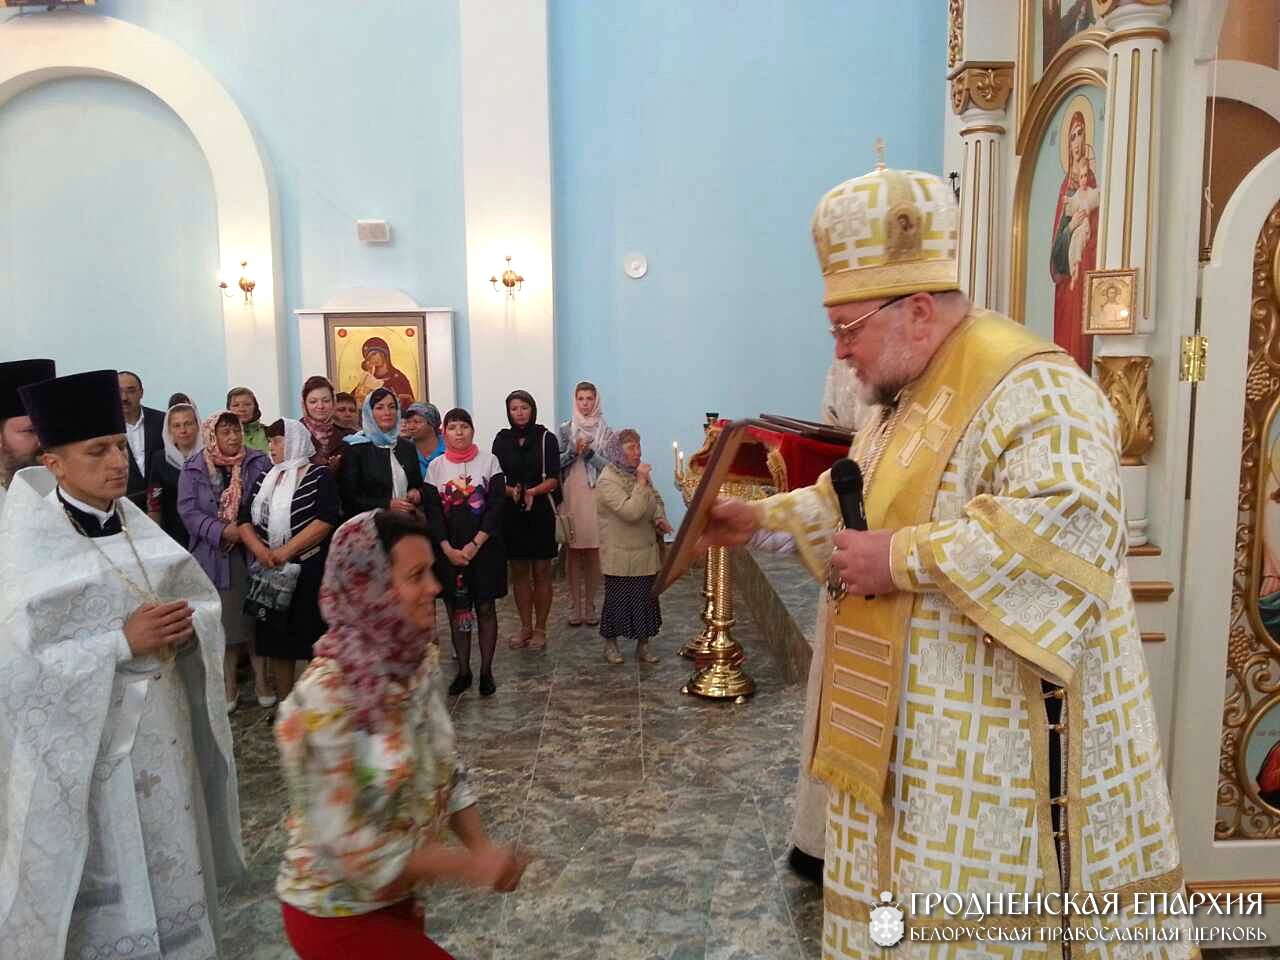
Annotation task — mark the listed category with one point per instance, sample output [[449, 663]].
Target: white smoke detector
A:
[[373, 231]]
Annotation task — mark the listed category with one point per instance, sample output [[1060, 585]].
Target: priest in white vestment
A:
[[119, 814], [18, 444]]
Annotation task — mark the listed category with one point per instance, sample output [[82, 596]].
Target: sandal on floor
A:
[[520, 640], [535, 643], [611, 652], [643, 654], [592, 619], [575, 619]]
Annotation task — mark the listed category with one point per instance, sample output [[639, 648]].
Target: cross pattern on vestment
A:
[[145, 782], [927, 427]]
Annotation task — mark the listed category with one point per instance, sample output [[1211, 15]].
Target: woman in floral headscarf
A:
[[211, 491], [367, 749], [318, 403]]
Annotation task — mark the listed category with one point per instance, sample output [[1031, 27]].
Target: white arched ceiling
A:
[[37, 48]]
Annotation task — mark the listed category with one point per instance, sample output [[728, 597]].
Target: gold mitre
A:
[[887, 233]]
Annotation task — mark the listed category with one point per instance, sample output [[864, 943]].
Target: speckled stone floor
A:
[[659, 822]]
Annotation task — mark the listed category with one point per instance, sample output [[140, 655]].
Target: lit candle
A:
[[680, 459]]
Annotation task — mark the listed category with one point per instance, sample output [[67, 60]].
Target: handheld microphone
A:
[[846, 480]]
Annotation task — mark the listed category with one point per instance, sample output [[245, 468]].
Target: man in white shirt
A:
[[144, 429]]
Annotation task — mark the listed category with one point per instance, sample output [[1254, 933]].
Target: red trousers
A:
[[392, 932]]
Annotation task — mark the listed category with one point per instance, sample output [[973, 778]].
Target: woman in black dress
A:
[[289, 517], [464, 496], [379, 469], [530, 457], [181, 440]]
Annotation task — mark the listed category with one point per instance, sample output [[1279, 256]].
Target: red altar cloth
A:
[[787, 461]]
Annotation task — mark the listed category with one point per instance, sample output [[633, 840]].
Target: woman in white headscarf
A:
[[585, 440], [289, 518], [182, 440]]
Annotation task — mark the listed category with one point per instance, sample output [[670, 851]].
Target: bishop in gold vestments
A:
[[986, 724]]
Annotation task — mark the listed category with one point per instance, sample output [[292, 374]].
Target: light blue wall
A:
[[357, 108], [108, 243], [702, 135]]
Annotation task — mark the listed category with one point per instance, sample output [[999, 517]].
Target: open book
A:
[[718, 468]]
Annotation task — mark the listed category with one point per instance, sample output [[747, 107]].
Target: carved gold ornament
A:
[[1124, 381], [955, 31], [982, 84], [1253, 657]]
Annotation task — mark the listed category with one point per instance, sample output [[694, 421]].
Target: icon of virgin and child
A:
[[1073, 251], [377, 370]]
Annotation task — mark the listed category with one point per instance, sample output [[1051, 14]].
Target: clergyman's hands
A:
[[158, 627], [730, 523], [861, 557]]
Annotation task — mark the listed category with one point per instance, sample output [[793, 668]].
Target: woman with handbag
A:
[[464, 496], [379, 467], [530, 460], [584, 438], [632, 518], [368, 752], [286, 525], [211, 490]]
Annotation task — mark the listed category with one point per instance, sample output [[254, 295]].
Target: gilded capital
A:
[[980, 83], [1124, 381]]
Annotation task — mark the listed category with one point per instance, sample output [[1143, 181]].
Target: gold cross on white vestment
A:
[[927, 426]]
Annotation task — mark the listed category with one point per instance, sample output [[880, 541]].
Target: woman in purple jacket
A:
[[214, 484]]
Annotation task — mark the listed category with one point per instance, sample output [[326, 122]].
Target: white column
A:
[[506, 159], [1129, 219], [979, 95], [1131, 203]]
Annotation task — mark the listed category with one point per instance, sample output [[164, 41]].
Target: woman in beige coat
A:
[[632, 518]]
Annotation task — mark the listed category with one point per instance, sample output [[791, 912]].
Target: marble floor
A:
[[659, 822]]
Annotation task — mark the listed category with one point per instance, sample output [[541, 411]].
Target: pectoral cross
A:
[[879, 153], [927, 427]]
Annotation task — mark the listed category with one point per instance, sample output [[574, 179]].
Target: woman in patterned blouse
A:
[[367, 748]]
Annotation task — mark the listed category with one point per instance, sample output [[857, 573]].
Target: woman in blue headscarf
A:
[[379, 469]]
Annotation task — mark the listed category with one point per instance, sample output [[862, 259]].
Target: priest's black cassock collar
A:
[[19, 373], [82, 406]]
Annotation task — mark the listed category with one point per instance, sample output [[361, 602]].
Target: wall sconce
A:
[[509, 279], [246, 284]]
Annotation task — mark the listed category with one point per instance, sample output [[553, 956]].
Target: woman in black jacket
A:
[[379, 470], [182, 440], [529, 455]]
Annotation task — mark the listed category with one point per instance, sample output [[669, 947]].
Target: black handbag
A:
[[271, 592]]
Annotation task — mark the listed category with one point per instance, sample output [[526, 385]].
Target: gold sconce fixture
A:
[[246, 284], [509, 279]]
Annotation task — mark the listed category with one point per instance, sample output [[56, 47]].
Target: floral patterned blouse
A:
[[359, 802]]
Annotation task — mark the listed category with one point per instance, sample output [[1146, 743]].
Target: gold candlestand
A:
[[717, 656], [700, 646], [723, 677]]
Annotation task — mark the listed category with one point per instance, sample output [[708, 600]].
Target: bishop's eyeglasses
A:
[[845, 331]]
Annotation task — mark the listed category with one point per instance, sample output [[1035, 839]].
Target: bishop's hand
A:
[[730, 523], [861, 558], [157, 628]]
